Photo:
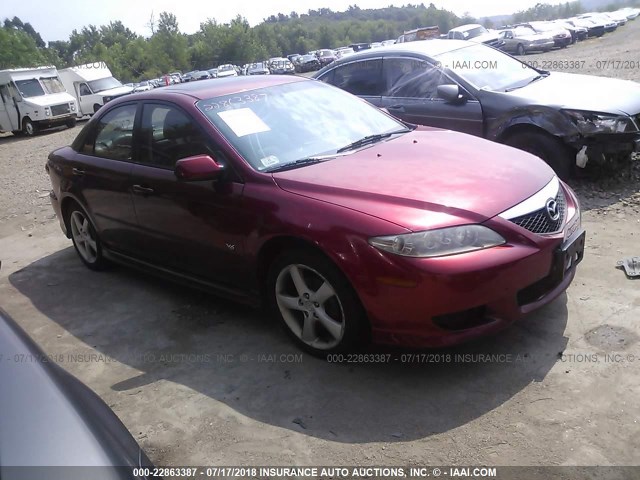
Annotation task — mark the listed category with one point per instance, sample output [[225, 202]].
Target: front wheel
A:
[[71, 123], [549, 148], [29, 128], [315, 303], [85, 239]]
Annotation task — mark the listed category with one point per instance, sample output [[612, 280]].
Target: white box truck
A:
[[32, 99], [92, 85]]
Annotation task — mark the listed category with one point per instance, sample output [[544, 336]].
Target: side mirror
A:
[[451, 94], [198, 167]]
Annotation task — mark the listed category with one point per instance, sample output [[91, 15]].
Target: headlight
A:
[[591, 122], [72, 107], [440, 242], [47, 111]]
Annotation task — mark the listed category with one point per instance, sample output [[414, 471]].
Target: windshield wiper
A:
[[370, 139], [534, 79], [303, 162]]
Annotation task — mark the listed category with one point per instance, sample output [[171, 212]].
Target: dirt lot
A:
[[202, 381]]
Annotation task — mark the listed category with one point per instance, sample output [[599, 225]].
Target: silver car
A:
[[521, 40]]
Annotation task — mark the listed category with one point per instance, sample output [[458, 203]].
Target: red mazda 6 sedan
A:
[[350, 225]]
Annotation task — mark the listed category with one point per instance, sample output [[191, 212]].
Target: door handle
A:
[[396, 108], [140, 190], [77, 172]]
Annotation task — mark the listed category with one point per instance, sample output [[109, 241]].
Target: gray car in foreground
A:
[[454, 84], [52, 426]]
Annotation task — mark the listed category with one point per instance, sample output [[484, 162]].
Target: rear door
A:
[[101, 176], [362, 78], [191, 227], [412, 95]]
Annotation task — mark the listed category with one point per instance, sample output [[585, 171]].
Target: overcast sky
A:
[[55, 19]]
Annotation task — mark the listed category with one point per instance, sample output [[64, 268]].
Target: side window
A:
[[328, 77], [360, 78], [84, 89], [114, 135], [4, 91], [413, 78], [168, 135]]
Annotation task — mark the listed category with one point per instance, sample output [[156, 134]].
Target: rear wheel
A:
[[548, 148], [315, 303], [520, 50], [29, 128], [85, 239]]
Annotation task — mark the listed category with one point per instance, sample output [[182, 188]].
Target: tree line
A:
[[133, 57]]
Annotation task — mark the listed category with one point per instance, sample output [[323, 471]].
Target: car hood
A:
[[485, 37], [228, 73], [428, 178], [583, 92], [116, 92], [50, 99]]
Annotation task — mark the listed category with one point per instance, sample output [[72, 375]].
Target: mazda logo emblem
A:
[[553, 211]]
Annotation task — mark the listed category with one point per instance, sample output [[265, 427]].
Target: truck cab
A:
[[34, 99], [92, 85]]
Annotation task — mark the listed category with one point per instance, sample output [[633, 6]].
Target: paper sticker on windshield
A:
[[269, 161], [243, 121]]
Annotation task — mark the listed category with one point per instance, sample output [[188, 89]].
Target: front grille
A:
[[540, 222], [60, 110]]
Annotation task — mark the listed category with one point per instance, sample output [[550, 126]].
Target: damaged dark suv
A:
[[560, 117]]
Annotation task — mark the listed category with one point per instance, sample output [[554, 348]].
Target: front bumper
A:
[[439, 302], [541, 46], [51, 122], [601, 146]]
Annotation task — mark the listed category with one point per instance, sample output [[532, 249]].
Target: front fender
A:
[[548, 119]]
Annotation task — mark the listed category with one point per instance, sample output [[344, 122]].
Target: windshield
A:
[[486, 68], [543, 27], [475, 32], [274, 126], [52, 84], [30, 88], [225, 68], [104, 84]]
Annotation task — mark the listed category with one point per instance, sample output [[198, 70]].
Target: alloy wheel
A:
[[310, 306], [84, 237]]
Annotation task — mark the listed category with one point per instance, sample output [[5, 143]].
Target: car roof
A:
[[430, 48], [464, 28], [224, 86]]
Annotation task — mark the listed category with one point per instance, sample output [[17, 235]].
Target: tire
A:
[[520, 50], [29, 128], [547, 147], [85, 239], [319, 309], [96, 107], [71, 122]]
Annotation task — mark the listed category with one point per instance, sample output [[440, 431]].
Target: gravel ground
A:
[[248, 406]]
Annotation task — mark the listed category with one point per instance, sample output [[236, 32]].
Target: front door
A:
[[412, 95], [9, 117], [192, 227]]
